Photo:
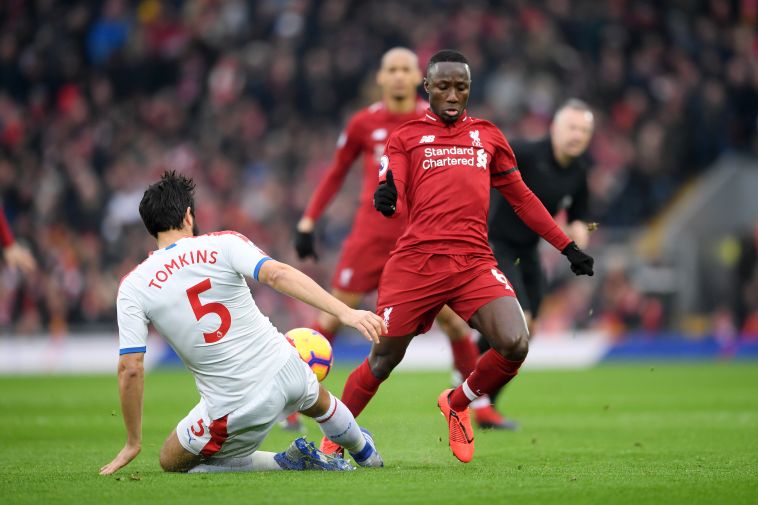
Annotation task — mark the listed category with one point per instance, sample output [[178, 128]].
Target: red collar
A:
[[431, 117]]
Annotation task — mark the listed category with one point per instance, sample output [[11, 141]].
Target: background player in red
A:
[[438, 171], [15, 255], [367, 248]]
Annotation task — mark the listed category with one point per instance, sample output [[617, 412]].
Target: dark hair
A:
[[446, 55], [164, 203]]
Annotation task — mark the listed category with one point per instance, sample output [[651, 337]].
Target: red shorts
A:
[[415, 286], [361, 263]]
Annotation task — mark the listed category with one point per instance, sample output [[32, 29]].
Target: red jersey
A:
[[366, 134], [443, 173]]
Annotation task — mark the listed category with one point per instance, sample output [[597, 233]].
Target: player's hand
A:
[[581, 262], [385, 196], [17, 256], [305, 245], [368, 323], [127, 454]]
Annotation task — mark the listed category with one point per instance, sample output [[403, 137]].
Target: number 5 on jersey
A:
[[201, 310]]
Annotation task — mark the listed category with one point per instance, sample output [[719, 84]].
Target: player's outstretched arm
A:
[[294, 283], [131, 374]]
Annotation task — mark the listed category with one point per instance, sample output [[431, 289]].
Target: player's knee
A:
[[167, 462], [513, 346], [382, 365]]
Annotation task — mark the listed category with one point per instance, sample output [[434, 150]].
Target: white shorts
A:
[[240, 432]]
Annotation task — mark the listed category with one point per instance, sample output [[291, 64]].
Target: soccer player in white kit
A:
[[193, 290]]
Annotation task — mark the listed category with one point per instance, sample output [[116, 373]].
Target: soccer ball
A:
[[314, 349]]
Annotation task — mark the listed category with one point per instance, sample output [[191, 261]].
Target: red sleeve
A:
[[506, 178], [6, 236], [348, 149], [396, 158]]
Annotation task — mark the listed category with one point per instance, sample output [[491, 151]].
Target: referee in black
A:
[[555, 169]]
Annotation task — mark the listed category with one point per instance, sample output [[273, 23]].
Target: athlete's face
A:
[[399, 75], [572, 131], [448, 84]]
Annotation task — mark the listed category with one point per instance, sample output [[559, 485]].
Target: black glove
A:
[[304, 245], [385, 196], [581, 262]]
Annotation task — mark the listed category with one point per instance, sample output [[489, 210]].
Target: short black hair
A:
[[446, 55], [164, 203]]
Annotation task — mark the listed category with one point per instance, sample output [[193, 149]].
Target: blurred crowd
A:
[[98, 98]]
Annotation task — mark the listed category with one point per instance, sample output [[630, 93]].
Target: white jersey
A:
[[194, 292]]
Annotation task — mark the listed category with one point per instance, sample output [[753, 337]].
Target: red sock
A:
[[326, 333], [360, 388], [465, 354], [491, 373]]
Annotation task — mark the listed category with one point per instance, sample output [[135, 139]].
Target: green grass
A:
[[615, 434]]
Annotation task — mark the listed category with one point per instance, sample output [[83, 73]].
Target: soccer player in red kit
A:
[[436, 173], [367, 248]]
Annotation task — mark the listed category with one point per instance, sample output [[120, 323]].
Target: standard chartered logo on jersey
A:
[[454, 156]]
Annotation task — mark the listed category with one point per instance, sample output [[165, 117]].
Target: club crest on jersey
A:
[[387, 312], [426, 139], [474, 134], [384, 164], [481, 159], [379, 134]]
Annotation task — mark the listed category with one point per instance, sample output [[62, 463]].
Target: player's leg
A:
[[364, 381], [303, 393], [195, 440], [465, 352], [408, 299], [340, 427], [175, 458], [502, 323]]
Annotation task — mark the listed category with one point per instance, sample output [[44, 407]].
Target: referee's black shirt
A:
[[557, 187]]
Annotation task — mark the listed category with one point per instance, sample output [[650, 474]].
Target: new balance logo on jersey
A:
[[481, 159], [426, 139], [387, 313], [384, 163], [474, 134]]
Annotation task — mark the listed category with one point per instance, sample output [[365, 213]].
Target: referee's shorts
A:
[[521, 265]]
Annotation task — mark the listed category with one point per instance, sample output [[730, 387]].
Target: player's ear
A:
[[417, 79], [426, 85], [189, 219]]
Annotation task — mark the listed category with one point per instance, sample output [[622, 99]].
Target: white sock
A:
[[339, 426], [259, 461], [482, 401]]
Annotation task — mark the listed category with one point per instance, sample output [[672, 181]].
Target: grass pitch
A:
[[659, 433]]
